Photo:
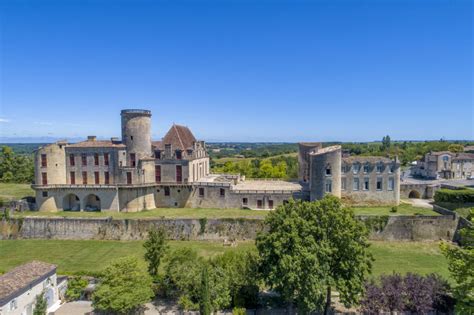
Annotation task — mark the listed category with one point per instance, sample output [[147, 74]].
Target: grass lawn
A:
[[402, 209], [90, 256], [15, 191]]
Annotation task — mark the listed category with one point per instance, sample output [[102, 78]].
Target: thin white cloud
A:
[[4, 120]]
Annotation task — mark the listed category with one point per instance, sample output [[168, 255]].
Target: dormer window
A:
[[366, 168], [379, 167], [157, 154], [179, 155], [356, 168], [189, 152]]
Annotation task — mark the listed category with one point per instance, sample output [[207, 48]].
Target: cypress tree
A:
[[204, 299]]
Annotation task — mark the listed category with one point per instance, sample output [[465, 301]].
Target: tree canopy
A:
[[311, 248]]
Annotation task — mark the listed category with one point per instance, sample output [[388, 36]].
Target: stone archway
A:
[[414, 194], [92, 203], [71, 202]]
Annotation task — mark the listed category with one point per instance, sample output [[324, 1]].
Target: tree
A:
[[40, 305], [75, 287], [386, 142], [310, 248], [460, 262], [456, 148], [155, 248], [204, 298], [125, 286]]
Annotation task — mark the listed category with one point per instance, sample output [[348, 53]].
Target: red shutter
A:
[[106, 178], [129, 178], [157, 173], [179, 174], [73, 178], [44, 178]]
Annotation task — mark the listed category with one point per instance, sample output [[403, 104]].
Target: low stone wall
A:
[[384, 228]]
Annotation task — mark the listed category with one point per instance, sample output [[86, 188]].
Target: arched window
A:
[[328, 170]]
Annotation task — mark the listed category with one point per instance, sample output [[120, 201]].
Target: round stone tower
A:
[[136, 132], [325, 174]]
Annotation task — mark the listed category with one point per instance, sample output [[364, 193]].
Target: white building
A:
[[20, 287]]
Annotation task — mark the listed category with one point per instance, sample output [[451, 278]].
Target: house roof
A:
[[464, 156], [366, 159], [97, 144], [180, 137], [23, 276]]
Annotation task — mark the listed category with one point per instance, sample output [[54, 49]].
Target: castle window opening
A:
[[259, 204], [157, 173], [343, 183], [96, 178], [72, 160], [366, 168], [84, 178], [44, 161], [328, 186], [328, 170], [129, 178], [167, 191], [179, 174], [84, 159], [179, 155], [106, 178], [245, 201], [201, 192], [72, 176], [157, 154], [106, 159], [366, 183], [222, 192], [379, 168], [44, 178], [45, 194], [356, 168], [379, 183], [391, 183], [132, 159], [270, 204], [355, 184], [96, 159]]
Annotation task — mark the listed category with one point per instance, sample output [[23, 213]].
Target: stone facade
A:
[[136, 173], [445, 164]]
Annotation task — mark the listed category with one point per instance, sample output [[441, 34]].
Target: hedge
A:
[[456, 196]]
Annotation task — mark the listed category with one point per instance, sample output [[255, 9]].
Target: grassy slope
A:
[[77, 256], [15, 191]]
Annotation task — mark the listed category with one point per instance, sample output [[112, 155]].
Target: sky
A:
[[244, 71]]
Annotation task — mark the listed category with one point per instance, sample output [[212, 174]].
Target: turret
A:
[[325, 175], [136, 134]]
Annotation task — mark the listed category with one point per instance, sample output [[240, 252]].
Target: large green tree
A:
[[312, 248], [461, 267], [155, 248], [124, 287]]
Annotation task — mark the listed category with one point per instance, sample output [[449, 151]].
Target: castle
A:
[[135, 173]]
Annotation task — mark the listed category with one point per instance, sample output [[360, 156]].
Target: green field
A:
[[91, 256], [15, 191], [237, 159]]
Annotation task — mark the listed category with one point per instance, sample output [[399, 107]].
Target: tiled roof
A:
[[22, 276], [326, 150], [464, 156], [366, 159], [96, 144], [441, 152], [180, 137]]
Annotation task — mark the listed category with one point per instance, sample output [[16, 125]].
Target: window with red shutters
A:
[[44, 160], [84, 159], [133, 162], [201, 192], [129, 178], [106, 159], [44, 178], [96, 159], [157, 173], [179, 174], [179, 155], [72, 176], [72, 160], [84, 178], [259, 204], [270, 204], [106, 178], [96, 178]]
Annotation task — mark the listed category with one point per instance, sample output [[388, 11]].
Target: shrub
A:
[[40, 305], [185, 303], [75, 287], [454, 196], [239, 311], [394, 209]]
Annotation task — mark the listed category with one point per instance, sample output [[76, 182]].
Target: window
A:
[[84, 178], [270, 204], [157, 173], [343, 183], [72, 160], [179, 155], [84, 159], [328, 170], [106, 159], [44, 178], [45, 194], [356, 168], [129, 178], [366, 183], [106, 178], [72, 176], [133, 162], [328, 186], [366, 168], [96, 159], [222, 192], [343, 169], [380, 168], [157, 154], [259, 204], [391, 183], [201, 192], [96, 178], [179, 174], [13, 305], [44, 161], [355, 184], [167, 191], [131, 138], [245, 201], [379, 183]]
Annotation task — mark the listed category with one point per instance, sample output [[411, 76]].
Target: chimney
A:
[[91, 138]]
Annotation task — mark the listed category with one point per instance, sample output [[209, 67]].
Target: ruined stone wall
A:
[[383, 228]]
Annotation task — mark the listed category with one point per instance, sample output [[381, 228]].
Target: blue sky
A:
[[239, 70]]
